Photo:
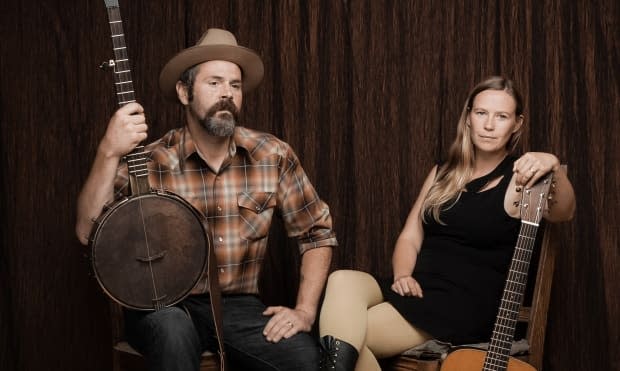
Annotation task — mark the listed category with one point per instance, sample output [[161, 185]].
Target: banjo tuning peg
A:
[[106, 65]]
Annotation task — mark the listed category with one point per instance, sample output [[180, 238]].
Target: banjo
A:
[[149, 249]]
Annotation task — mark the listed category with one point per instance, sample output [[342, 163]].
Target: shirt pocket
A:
[[255, 214]]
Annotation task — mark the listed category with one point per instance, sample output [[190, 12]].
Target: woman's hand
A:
[[407, 286], [532, 166]]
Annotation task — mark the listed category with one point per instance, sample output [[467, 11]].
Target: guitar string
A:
[[515, 285]]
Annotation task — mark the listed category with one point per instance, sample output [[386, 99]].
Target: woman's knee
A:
[[353, 283], [347, 278]]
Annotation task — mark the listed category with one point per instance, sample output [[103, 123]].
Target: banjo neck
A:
[[137, 158]]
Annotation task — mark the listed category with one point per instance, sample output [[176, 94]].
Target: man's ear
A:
[[182, 93]]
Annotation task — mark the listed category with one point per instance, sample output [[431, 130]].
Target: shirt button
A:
[[220, 239], [257, 208], [222, 270]]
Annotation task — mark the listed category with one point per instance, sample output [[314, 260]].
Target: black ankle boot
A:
[[337, 355]]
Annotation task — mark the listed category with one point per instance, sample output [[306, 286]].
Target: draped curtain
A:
[[367, 92]]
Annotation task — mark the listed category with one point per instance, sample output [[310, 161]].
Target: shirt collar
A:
[[187, 146]]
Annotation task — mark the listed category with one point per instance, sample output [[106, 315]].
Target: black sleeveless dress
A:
[[462, 265]]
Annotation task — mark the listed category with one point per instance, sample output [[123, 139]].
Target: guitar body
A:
[[473, 360]]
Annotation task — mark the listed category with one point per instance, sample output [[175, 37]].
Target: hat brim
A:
[[250, 63]]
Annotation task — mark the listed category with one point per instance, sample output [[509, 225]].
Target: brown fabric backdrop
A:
[[367, 92]]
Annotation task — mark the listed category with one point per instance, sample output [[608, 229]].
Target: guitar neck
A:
[[136, 160], [532, 206], [514, 289]]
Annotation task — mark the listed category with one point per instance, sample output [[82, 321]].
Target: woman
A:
[[452, 256]]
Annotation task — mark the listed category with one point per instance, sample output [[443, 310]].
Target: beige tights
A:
[[354, 311]]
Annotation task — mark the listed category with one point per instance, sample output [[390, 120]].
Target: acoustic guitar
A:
[[497, 358]]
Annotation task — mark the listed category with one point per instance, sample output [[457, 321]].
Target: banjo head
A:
[[149, 251]]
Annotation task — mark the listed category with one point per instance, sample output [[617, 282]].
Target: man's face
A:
[[217, 97]]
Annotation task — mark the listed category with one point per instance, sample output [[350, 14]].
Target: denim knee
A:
[[167, 338], [175, 330]]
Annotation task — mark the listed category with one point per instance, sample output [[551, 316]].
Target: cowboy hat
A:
[[215, 44]]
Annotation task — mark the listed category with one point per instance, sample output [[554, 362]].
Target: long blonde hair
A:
[[456, 171]]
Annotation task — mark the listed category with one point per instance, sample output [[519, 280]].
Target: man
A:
[[221, 168]]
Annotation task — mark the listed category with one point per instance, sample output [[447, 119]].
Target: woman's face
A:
[[493, 120]]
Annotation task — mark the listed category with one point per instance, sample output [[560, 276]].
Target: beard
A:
[[221, 119]]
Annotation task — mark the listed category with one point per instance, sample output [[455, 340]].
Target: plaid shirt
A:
[[261, 175]]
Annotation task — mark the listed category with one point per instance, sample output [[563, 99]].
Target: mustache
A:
[[223, 105]]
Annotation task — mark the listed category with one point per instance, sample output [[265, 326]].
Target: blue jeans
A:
[[172, 339]]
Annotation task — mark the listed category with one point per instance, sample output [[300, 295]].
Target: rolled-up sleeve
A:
[[306, 217]]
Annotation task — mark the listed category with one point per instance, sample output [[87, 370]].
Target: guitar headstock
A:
[[534, 200], [111, 3]]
